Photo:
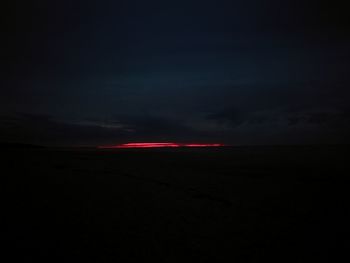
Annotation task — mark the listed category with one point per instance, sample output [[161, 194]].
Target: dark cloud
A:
[[305, 126], [326, 117], [46, 130], [231, 117], [332, 118], [152, 125]]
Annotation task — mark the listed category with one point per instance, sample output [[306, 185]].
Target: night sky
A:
[[236, 72]]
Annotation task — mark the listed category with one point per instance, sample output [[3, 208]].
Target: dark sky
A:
[[239, 72]]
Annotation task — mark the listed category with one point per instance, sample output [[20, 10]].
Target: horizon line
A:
[[160, 145]]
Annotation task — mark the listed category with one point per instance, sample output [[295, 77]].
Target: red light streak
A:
[[204, 145], [158, 145], [147, 145]]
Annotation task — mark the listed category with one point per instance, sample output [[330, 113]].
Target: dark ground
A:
[[244, 204]]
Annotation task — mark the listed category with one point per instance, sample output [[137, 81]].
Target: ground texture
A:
[[244, 204]]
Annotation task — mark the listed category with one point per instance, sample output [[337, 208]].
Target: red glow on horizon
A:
[[203, 145], [146, 145], [158, 145]]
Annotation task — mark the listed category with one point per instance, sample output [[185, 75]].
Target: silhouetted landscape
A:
[[233, 204]]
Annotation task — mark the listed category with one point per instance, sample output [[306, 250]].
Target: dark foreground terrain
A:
[[244, 204]]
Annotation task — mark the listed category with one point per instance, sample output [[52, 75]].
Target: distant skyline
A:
[[235, 72]]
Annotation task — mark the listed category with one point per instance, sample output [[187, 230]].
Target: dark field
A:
[[244, 204]]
